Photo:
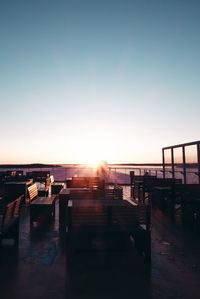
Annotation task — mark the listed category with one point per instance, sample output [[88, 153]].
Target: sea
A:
[[114, 174]]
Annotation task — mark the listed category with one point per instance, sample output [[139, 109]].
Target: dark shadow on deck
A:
[[106, 266], [100, 266]]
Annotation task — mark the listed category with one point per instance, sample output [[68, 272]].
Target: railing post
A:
[[163, 157], [148, 233], [172, 158], [184, 166], [198, 159]]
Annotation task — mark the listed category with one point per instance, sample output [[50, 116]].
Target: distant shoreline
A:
[[35, 165], [136, 164], [39, 165]]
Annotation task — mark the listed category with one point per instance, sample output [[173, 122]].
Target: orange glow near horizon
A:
[[88, 147], [91, 158]]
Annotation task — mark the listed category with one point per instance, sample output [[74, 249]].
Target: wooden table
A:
[[63, 200], [101, 213], [14, 189], [64, 197], [110, 217], [42, 207], [56, 187]]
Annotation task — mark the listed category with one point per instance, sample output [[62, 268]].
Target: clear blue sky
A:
[[86, 80]]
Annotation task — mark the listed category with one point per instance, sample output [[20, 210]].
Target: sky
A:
[[84, 80]]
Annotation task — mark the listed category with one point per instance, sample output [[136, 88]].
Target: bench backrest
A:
[[119, 214], [131, 215], [8, 213], [88, 216], [81, 194], [11, 214], [86, 182], [113, 194], [96, 194], [18, 205], [32, 191]]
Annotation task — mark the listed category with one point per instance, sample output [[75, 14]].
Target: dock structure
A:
[[181, 160], [101, 240], [100, 265]]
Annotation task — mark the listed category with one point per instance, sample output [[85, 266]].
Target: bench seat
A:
[[40, 207], [9, 221]]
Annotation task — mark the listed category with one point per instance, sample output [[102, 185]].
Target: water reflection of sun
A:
[[91, 153], [94, 163]]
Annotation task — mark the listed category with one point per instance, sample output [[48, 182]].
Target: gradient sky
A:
[[87, 80]]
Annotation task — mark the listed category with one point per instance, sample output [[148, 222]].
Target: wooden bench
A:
[[139, 184], [14, 189], [113, 194], [160, 191], [17, 207], [43, 190], [189, 204], [145, 184], [165, 195], [84, 194], [111, 216], [38, 176], [32, 192], [9, 221], [94, 194], [85, 182], [44, 186], [41, 207], [56, 187]]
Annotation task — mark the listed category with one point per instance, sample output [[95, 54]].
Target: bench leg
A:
[[16, 233], [143, 244], [54, 209], [148, 247]]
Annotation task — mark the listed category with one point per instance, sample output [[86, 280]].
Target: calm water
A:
[[118, 175]]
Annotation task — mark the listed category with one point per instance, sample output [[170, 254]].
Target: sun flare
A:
[[94, 163]]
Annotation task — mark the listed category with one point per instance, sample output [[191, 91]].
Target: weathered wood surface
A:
[[9, 221], [43, 201], [111, 216]]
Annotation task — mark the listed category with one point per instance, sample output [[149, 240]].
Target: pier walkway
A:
[[110, 268]]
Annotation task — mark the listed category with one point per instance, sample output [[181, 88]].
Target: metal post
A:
[[163, 157], [198, 159], [184, 166], [172, 158]]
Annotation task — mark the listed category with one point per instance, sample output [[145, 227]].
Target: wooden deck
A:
[[101, 267]]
